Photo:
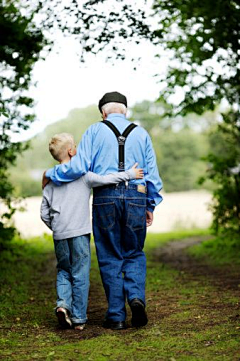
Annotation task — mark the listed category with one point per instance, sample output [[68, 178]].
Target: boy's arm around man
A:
[[95, 180]]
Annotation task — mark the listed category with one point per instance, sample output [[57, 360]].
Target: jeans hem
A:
[[114, 320], [136, 296], [78, 320]]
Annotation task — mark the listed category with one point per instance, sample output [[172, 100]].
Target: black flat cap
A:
[[114, 97]]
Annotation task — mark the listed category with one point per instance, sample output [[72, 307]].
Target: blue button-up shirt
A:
[[98, 152]]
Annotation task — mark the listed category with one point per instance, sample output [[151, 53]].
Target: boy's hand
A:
[[45, 180], [138, 172]]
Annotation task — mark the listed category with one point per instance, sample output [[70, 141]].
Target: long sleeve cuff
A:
[[131, 173], [150, 208], [153, 201], [49, 172]]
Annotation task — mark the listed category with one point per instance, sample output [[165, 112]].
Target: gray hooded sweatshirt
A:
[[65, 209]]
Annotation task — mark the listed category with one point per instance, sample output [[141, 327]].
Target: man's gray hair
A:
[[114, 108]]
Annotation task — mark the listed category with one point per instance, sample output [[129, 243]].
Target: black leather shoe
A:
[[119, 325], [139, 316]]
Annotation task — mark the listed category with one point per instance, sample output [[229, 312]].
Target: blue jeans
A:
[[119, 228], [73, 265]]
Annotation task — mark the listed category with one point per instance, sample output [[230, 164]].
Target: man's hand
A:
[[149, 218], [45, 180], [138, 172]]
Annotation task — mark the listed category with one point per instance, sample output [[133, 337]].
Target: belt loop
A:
[[126, 184]]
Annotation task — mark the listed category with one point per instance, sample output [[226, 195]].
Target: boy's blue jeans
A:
[[119, 228], [73, 265]]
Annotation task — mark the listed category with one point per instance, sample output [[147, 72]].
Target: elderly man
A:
[[121, 212]]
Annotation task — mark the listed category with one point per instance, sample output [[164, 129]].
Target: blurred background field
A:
[[179, 211]]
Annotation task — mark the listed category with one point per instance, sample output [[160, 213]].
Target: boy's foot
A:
[[63, 318], [79, 326], [139, 316]]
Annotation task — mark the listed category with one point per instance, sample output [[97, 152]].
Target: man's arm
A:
[[95, 180], [45, 210], [153, 180], [77, 166]]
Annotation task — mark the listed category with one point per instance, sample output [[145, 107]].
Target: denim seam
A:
[[138, 205], [104, 204], [118, 197]]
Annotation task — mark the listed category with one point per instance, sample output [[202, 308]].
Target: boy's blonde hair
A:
[[59, 145]]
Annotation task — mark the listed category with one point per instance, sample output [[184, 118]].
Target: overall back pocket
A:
[[104, 214], [136, 216]]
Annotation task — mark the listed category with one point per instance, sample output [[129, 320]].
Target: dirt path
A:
[[174, 254]]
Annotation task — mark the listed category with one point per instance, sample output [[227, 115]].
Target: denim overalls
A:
[[119, 228]]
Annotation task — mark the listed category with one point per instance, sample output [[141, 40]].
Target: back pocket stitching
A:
[[132, 215], [109, 214]]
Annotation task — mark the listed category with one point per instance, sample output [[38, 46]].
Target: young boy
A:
[[65, 210]]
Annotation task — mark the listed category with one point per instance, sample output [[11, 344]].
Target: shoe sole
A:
[[139, 317], [62, 320], [123, 327], [118, 328]]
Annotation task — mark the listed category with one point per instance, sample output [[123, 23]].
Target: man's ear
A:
[[104, 115]]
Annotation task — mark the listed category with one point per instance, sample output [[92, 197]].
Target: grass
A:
[[155, 240], [220, 250], [189, 317]]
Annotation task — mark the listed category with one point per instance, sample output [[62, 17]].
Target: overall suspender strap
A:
[[121, 138]]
